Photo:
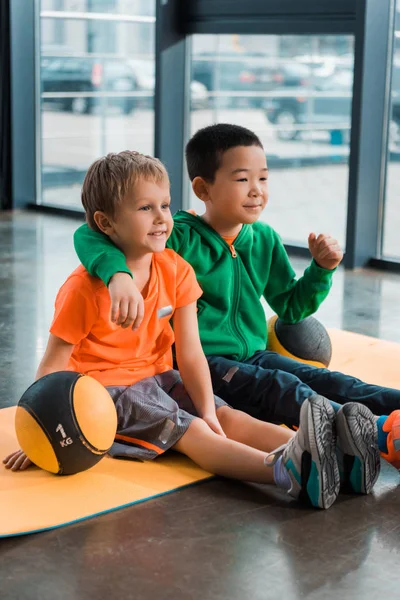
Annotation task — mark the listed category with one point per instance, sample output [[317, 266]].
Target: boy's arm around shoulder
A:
[[193, 366], [295, 299], [100, 257]]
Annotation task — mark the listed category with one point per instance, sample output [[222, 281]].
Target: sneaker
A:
[[357, 447], [392, 427], [310, 456]]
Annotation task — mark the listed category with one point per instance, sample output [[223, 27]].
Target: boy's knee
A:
[[194, 435], [227, 415], [198, 425]]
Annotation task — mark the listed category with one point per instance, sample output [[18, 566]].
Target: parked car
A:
[[291, 75], [326, 102], [76, 74], [60, 74], [246, 74], [232, 73]]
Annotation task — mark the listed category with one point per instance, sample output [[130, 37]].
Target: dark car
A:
[[249, 77], [291, 74], [232, 73], [75, 75], [325, 103]]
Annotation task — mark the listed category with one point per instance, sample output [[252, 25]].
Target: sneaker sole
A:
[[357, 438], [323, 483]]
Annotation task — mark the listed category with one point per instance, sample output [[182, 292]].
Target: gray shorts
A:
[[153, 415]]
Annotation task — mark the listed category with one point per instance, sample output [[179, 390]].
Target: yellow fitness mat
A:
[[34, 500]]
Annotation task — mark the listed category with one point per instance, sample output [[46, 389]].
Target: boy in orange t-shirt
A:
[[126, 197]]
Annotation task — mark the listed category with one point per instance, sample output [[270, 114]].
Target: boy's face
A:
[[143, 222], [239, 192]]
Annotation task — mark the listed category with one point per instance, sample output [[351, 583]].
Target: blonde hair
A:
[[111, 177]]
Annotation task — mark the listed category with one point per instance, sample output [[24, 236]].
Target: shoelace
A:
[[273, 456]]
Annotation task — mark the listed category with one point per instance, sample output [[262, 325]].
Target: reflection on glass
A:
[[295, 92], [391, 240], [96, 87]]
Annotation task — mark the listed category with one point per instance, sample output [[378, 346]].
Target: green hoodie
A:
[[231, 317]]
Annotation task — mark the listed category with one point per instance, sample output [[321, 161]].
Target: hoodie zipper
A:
[[235, 302], [236, 269]]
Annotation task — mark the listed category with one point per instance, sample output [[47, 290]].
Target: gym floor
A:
[[216, 540]]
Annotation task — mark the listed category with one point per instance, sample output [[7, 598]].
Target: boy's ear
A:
[[103, 222], [200, 188]]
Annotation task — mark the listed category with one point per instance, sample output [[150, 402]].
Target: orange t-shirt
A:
[[229, 240], [105, 351]]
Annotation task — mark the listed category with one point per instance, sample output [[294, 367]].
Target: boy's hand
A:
[[213, 423], [325, 250], [17, 461], [127, 306]]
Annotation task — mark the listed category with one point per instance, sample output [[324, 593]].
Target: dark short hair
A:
[[110, 178], [205, 149]]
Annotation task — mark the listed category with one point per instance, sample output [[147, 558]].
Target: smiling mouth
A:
[[251, 205], [158, 233]]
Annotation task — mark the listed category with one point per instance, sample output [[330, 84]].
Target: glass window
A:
[[295, 92], [391, 239], [96, 87]]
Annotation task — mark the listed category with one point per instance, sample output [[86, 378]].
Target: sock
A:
[[382, 435], [281, 475]]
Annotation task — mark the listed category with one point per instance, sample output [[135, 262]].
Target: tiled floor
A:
[[218, 540]]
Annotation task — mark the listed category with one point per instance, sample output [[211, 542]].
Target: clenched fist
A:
[[325, 250]]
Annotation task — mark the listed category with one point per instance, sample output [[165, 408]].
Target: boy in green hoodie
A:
[[238, 260]]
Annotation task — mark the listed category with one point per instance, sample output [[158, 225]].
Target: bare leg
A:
[[223, 456], [243, 428]]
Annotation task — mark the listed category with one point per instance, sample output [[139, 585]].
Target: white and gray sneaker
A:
[[310, 456], [357, 448]]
